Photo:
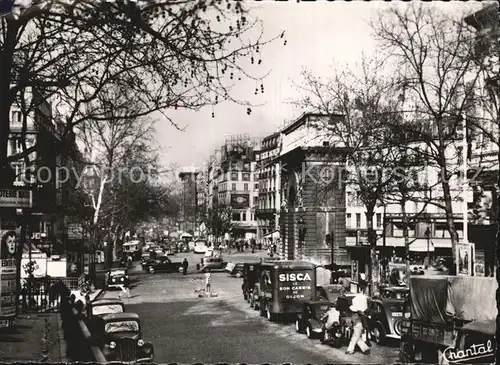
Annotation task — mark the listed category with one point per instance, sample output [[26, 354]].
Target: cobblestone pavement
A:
[[186, 328], [23, 343]]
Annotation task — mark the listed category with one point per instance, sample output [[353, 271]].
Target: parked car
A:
[[120, 337], [200, 247], [211, 263], [116, 278], [183, 246], [163, 264], [387, 313], [107, 306], [328, 292], [235, 270], [172, 248], [309, 320]]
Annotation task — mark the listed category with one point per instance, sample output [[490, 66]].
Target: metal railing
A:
[[80, 345]]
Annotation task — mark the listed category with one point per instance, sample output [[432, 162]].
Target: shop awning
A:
[[420, 245], [274, 235]]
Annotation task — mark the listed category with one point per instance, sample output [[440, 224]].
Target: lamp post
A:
[[428, 237]]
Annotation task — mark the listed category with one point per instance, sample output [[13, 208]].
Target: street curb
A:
[[62, 341]]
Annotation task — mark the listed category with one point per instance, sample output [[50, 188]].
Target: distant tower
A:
[[189, 199]]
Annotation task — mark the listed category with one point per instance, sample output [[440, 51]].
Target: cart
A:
[[444, 311]]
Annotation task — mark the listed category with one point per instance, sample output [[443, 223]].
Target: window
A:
[[256, 186], [233, 187], [243, 216], [234, 176], [246, 176], [245, 187], [358, 220], [246, 166], [379, 219], [15, 117], [236, 217], [348, 220], [256, 177], [255, 200]]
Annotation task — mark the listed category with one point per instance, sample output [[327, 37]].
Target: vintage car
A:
[[183, 246], [235, 270], [106, 306], [163, 264], [387, 312], [200, 247], [329, 292], [171, 249], [309, 320], [119, 336], [211, 263], [116, 278]]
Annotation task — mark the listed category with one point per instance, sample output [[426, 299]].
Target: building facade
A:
[[269, 201], [189, 202]]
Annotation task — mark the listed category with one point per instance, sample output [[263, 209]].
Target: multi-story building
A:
[[232, 182], [189, 202], [269, 203]]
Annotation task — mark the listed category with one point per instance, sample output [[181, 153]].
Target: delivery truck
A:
[[284, 286]]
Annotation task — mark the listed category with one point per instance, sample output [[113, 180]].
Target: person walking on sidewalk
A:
[[185, 265], [208, 282]]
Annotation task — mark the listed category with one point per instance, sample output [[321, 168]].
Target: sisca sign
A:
[[472, 353], [295, 277]]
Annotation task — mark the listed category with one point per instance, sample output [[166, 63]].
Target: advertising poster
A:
[[240, 201], [8, 246], [293, 285], [464, 259]]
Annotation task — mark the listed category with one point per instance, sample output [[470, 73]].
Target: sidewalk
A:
[[34, 338]]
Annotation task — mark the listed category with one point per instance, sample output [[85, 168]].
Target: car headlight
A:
[[123, 279], [113, 279], [112, 344], [140, 343]]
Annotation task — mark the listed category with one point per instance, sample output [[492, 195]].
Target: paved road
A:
[[187, 329]]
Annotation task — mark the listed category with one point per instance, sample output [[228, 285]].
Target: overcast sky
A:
[[318, 35]]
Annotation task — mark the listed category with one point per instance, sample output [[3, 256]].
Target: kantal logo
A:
[[472, 353]]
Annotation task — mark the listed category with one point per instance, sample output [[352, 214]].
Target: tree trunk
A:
[[373, 264], [449, 216], [406, 238]]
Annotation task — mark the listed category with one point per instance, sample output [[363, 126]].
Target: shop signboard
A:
[[15, 198], [7, 292], [240, 201]]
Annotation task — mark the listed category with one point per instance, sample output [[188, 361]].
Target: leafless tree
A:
[[357, 109], [159, 55], [432, 57]]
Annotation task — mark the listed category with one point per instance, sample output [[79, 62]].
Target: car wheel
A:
[[297, 326], [151, 270], [238, 275], [378, 334], [406, 354], [180, 269], [309, 332]]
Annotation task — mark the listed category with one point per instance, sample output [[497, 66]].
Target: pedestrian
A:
[[356, 339], [260, 246], [185, 265], [129, 260], [208, 282]]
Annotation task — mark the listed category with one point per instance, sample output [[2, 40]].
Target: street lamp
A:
[[428, 237], [302, 233]]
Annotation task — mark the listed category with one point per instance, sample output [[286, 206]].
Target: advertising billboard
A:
[[240, 201], [15, 198], [8, 277], [295, 285]]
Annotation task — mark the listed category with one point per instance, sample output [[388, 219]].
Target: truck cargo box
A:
[[437, 298]]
